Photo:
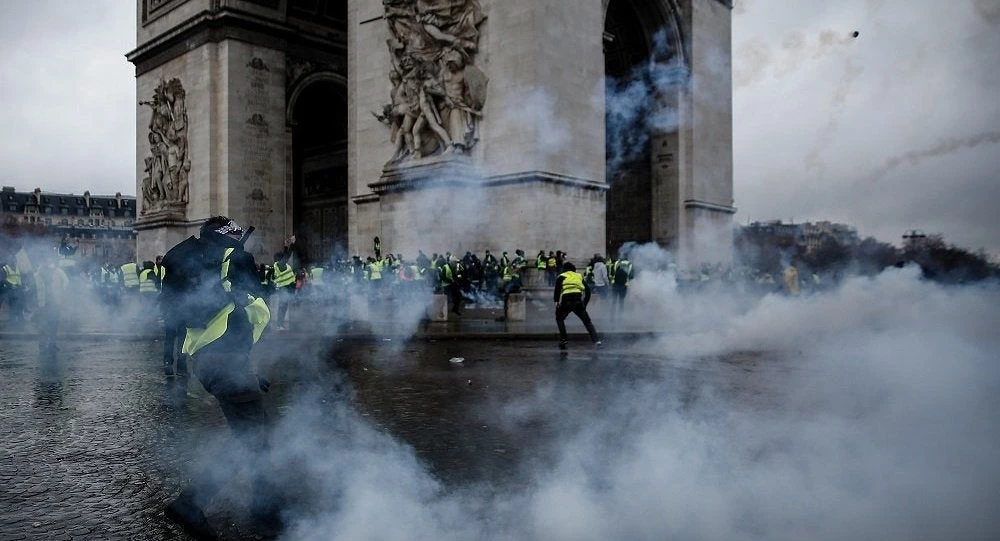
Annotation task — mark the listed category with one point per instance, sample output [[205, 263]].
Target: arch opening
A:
[[319, 171], [643, 69]]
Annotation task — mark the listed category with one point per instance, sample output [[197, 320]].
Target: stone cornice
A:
[[705, 205], [229, 23], [459, 171]]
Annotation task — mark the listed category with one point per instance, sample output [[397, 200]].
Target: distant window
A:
[[79, 212], [65, 211]]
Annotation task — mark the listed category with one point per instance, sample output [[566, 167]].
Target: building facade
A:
[[101, 226], [437, 124]]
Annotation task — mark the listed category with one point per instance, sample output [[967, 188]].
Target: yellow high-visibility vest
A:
[[130, 275], [283, 276], [146, 283], [572, 283], [257, 313], [13, 277]]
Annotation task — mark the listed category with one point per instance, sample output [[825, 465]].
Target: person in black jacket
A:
[[571, 295], [223, 367]]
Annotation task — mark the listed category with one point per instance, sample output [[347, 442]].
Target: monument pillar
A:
[[213, 78], [533, 175]]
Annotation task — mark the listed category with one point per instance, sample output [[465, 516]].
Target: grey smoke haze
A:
[[816, 115], [870, 414]]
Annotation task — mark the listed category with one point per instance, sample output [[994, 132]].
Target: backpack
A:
[[192, 283]]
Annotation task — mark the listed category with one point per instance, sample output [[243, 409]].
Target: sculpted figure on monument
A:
[[437, 92], [167, 167]]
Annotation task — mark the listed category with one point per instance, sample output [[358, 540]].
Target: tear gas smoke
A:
[[863, 411], [942, 148], [643, 102]]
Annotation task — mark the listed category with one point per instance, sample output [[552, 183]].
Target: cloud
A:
[[818, 115], [68, 97]]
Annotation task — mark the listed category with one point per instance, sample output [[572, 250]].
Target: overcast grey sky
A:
[[897, 129]]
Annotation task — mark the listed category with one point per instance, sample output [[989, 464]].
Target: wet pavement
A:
[[95, 440]]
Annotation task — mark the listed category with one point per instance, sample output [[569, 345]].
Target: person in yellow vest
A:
[[149, 281], [623, 275], [284, 287], [158, 267], [12, 292], [451, 278], [790, 277], [550, 268], [571, 295], [51, 284], [130, 277], [220, 348]]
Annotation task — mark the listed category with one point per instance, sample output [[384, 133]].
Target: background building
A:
[[100, 225]]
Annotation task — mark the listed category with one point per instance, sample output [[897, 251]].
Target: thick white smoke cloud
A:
[[867, 411]]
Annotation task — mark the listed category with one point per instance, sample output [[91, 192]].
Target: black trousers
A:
[[455, 296], [618, 299], [573, 304], [173, 339], [229, 379]]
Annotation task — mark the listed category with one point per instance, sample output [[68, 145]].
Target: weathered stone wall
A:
[[256, 133], [200, 75], [235, 95]]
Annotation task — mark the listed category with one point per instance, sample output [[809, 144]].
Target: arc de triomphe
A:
[[437, 124]]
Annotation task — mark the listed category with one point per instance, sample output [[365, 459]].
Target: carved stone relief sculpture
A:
[[167, 166], [438, 93]]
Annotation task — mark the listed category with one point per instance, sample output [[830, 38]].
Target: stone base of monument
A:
[[533, 278], [517, 305], [437, 309]]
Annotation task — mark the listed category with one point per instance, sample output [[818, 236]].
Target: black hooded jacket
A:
[[244, 280]]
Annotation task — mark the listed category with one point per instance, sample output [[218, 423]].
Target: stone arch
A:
[[642, 181], [299, 86], [316, 116], [655, 15]]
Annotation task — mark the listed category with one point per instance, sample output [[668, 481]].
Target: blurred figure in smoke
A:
[[11, 291], [601, 281], [51, 284], [491, 272], [220, 347], [571, 295], [790, 277], [623, 274], [450, 272], [284, 282]]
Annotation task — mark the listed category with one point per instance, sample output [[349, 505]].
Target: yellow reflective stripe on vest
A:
[[572, 283], [130, 276], [283, 277], [146, 284], [197, 338], [13, 277]]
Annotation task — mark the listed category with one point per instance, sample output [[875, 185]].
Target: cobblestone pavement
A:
[[94, 439]]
